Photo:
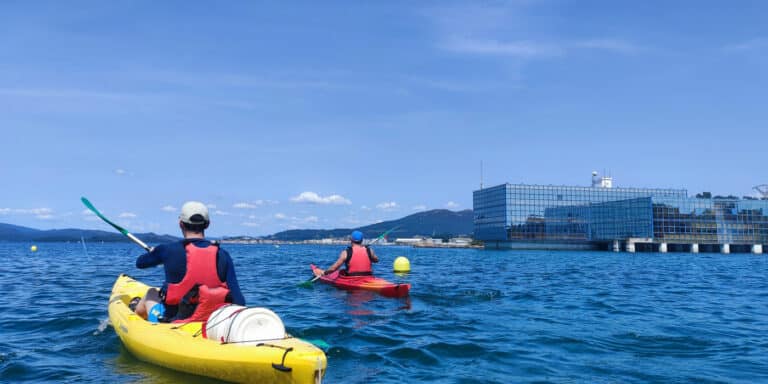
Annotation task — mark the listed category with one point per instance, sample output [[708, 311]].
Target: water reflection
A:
[[368, 307], [126, 365]]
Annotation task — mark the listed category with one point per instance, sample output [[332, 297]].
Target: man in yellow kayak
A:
[[357, 259], [199, 275]]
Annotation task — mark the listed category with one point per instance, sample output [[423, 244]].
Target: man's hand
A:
[[319, 272]]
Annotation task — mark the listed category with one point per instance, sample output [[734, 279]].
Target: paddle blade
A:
[[308, 283], [320, 344], [93, 209]]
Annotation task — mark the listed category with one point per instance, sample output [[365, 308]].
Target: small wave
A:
[[460, 350], [600, 304], [15, 370], [418, 355], [465, 297], [658, 345], [102, 326], [343, 353], [379, 339]]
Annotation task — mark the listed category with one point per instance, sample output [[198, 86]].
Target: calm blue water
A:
[[473, 316]]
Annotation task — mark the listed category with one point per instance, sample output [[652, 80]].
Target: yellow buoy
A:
[[402, 264], [33, 248]]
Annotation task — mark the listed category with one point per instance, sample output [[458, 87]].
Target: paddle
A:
[[309, 282], [119, 228]]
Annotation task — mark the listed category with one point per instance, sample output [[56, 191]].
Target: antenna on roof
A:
[[762, 189], [481, 174]]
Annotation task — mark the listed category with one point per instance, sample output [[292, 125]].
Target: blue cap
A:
[[357, 236]]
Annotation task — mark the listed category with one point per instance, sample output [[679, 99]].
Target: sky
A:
[[282, 115]]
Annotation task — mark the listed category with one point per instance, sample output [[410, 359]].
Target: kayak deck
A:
[[368, 283], [182, 348]]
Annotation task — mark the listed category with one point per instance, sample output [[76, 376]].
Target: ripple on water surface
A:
[[473, 316]]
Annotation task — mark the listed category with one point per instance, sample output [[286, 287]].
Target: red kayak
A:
[[368, 283]]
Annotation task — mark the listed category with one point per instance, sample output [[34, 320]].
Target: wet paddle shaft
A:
[[119, 228]]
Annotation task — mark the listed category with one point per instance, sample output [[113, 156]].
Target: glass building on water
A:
[[570, 217]]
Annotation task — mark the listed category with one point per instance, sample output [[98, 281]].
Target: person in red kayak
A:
[[357, 259], [199, 275]]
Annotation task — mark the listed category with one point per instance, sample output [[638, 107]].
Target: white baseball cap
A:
[[194, 212]]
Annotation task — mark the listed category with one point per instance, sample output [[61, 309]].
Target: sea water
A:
[[473, 316]]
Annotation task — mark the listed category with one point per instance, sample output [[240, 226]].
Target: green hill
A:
[[10, 232], [434, 223]]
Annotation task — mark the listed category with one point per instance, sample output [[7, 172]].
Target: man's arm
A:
[[231, 278], [234, 287], [152, 258], [374, 258], [335, 266]]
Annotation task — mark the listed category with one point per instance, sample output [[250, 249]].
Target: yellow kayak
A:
[[182, 348]]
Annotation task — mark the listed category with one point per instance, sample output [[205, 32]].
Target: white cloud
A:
[[612, 45], [70, 93], [296, 220], [89, 215], [452, 205], [351, 220], [314, 198], [22, 211], [39, 213], [127, 215], [250, 224], [420, 207], [244, 205], [531, 50], [749, 45], [169, 208], [120, 172], [221, 213], [522, 49], [387, 206], [482, 29], [365, 208]]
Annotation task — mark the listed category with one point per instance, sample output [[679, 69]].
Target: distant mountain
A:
[[434, 223], [10, 232]]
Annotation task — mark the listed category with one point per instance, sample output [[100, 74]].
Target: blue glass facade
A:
[[564, 214], [711, 221]]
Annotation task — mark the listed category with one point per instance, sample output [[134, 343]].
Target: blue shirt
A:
[[173, 257]]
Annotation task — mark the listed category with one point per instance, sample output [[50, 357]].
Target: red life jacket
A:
[[201, 273], [358, 262]]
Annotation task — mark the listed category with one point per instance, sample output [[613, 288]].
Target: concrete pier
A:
[[694, 248], [757, 249], [725, 249], [663, 247]]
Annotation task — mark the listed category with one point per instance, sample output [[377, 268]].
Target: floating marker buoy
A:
[[402, 264], [33, 248]]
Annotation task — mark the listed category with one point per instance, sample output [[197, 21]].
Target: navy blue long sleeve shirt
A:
[[173, 257]]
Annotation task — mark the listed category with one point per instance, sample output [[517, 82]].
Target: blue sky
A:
[[338, 114]]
